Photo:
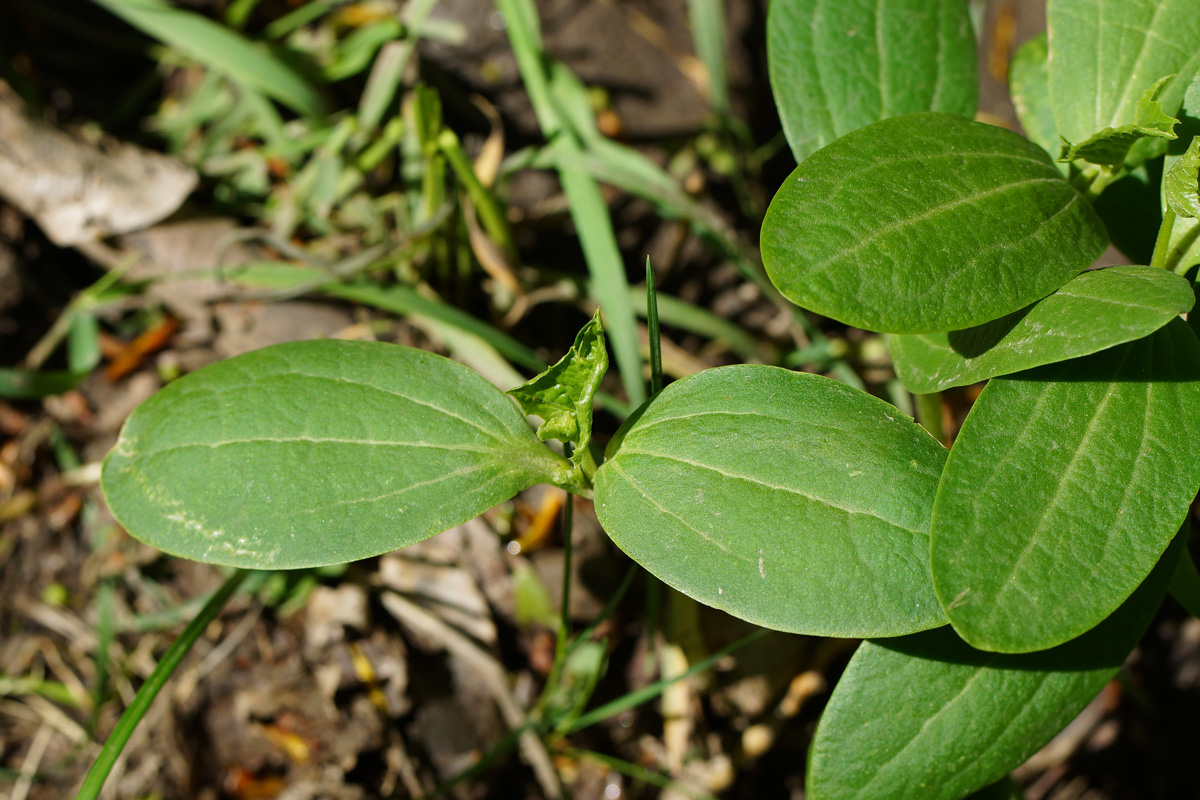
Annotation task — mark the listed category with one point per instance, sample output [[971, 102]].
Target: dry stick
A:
[[33, 760], [493, 675]]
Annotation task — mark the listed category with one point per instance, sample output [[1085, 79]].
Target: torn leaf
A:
[[562, 395], [1182, 183], [1109, 147]]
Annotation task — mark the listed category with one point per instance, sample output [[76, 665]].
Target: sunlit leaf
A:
[[1092, 312], [928, 222], [927, 717], [837, 67], [1063, 488], [787, 499], [316, 453]]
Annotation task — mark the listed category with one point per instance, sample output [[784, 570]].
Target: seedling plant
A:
[[1000, 584]]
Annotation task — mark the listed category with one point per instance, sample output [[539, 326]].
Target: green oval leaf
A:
[[315, 453], [927, 717], [1105, 54], [1090, 313], [928, 222], [837, 67], [1063, 488], [787, 499]]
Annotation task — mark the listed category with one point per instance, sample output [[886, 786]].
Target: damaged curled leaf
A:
[[1182, 183], [1109, 147], [562, 395]]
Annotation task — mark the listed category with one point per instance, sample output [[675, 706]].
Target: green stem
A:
[[1162, 245], [564, 621], [490, 213], [606, 612], [171, 659], [929, 414], [652, 691], [564, 624]]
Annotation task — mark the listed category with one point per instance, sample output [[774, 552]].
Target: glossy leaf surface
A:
[[1104, 54], [928, 222], [562, 395], [1091, 312], [837, 67], [1029, 84], [1063, 488], [927, 717], [317, 453], [787, 499]]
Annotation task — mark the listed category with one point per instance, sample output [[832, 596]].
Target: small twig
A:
[[33, 759]]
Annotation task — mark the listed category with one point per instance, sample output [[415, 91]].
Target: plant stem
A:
[[929, 414], [606, 612], [655, 689], [171, 659], [564, 624], [564, 621], [1162, 244], [485, 202]]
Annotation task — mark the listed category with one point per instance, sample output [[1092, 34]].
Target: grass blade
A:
[[708, 30], [656, 373], [171, 659], [646, 693], [220, 49], [588, 209]]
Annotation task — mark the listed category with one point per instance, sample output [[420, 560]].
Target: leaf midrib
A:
[[775, 487], [929, 213], [1056, 498]]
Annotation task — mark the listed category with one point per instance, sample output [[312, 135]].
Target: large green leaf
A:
[[787, 499], [1029, 85], [837, 67], [316, 453], [1105, 54], [1090, 313], [928, 222], [1064, 486], [220, 49], [927, 717]]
